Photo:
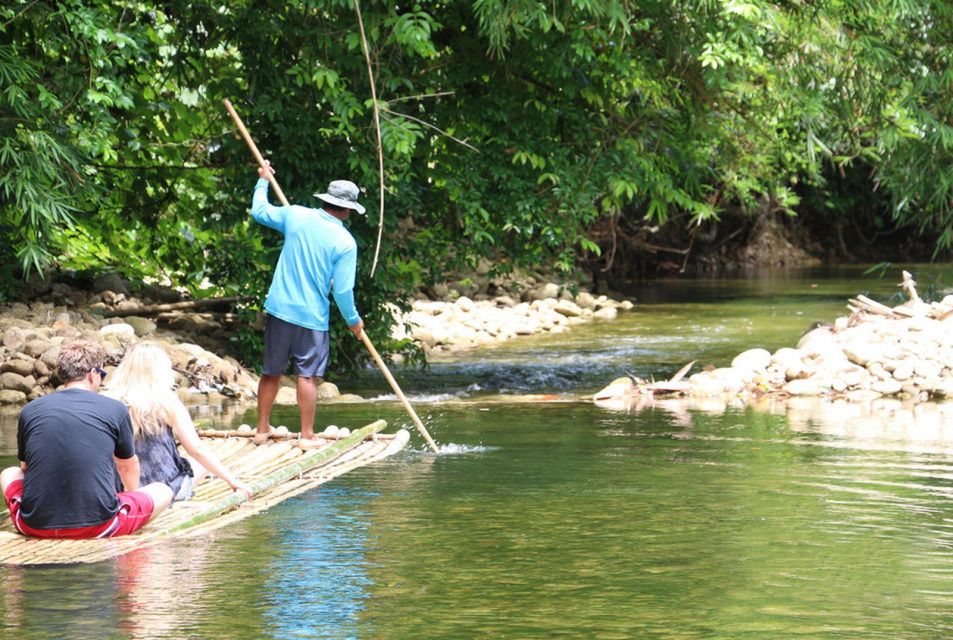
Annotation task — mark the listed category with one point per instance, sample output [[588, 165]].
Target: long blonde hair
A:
[[144, 381]]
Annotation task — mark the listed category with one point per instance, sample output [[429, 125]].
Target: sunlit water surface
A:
[[547, 516]]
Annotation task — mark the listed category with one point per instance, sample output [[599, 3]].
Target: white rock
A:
[[193, 350], [327, 390], [855, 378], [862, 353], [817, 342], [877, 370], [805, 387], [430, 308], [705, 385], [424, 335], [927, 368], [732, 379], [568, 308], [546, 291], [886, 387], [544, 304], [787, 358], [618, 388], [525, 328], [121, 330], [142, 326], [752, 359], [286, 396], [586, 300], [903, 371]]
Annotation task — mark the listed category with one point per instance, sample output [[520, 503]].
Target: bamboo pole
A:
[[291, 435], [363, 336], [396, 388], [254, 150]]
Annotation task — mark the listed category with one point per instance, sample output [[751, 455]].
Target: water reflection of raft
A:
[[276, 471]]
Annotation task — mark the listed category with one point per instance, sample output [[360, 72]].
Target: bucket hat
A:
[[342, 193]]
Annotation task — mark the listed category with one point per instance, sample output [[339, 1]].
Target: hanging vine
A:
[[377, 129]]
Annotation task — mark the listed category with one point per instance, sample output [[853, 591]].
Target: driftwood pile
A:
[[914, 307]]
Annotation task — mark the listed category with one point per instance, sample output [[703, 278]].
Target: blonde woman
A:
[[144, 381]]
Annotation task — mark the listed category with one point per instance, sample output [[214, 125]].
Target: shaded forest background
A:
[[602, 139]]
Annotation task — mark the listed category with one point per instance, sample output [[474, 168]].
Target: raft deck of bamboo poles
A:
[[276, 471]]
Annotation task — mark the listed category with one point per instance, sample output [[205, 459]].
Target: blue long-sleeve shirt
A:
[[318, 250]]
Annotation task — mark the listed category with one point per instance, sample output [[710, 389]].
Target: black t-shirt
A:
[[68, 440]]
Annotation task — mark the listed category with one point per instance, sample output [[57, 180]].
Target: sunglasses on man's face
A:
[[102, 373]]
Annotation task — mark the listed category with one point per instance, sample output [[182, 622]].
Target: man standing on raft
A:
[[317, 252]]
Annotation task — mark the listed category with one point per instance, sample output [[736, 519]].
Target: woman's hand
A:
[[238, 485]]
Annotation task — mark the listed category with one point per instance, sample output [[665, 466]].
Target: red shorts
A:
[[135, 509]]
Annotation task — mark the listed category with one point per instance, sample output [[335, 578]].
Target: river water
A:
[[545, 515]]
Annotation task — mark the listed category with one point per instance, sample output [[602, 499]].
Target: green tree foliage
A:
[[512, 129], [103, 160]]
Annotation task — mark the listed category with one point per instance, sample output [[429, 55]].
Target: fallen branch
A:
[[872, 306], [153, 309]]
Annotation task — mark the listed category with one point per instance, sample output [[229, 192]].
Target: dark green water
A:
[[563, 519]]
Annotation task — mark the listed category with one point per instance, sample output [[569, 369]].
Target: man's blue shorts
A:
[[309, 348]]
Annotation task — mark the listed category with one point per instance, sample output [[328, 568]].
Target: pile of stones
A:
[[443, 325], [31, 336], [904, 352]]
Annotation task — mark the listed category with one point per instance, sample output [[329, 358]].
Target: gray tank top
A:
[[159, 461]]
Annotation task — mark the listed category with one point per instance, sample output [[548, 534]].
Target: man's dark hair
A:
[[78, 358], [330, 208]]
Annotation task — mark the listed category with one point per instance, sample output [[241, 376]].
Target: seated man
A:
[[75, 446]]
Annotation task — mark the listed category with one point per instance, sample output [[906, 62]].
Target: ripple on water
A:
[[451, 449]]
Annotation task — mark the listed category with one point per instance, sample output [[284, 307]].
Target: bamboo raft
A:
[[276, 471]]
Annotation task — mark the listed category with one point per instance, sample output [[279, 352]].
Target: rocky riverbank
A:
[[904, 352], [444, 325], [31, 334]]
